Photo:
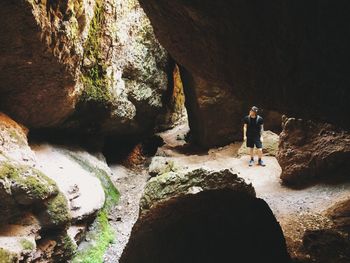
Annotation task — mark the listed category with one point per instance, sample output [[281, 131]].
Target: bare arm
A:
[[245, 131], [261, 132]]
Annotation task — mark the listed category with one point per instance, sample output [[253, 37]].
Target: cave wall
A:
[[214, 115], [288, 56], [89, 67], [38, 62]]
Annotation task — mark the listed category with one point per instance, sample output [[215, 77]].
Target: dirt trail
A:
[[296, 210], [130, 183]]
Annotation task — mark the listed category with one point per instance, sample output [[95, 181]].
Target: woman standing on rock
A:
[[252, 134]]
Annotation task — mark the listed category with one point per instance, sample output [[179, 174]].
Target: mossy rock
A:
[[26, 244], [27, 184], [64, 248], [173, 184], [7, 256], [161, 165], [101, 233], [56, 212]]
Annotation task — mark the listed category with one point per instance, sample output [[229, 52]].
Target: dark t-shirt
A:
[[253, 126]]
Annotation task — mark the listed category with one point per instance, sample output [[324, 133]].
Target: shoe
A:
[[251, 162], [261, 163]]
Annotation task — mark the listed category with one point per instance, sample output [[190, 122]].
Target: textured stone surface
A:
[[340, 214], [310, 152], [288, 56], [42, 196], [124, 72], [20, 182], [40, 48], [220, 225], [214, 114], [13, 141], [84, 66], [172, 184], [331, 244]]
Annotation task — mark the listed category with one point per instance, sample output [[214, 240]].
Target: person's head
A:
[[253, 112]]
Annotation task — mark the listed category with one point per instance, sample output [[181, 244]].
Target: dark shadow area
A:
[[212, 226], [130, 150], [116, 149], [89, 142]]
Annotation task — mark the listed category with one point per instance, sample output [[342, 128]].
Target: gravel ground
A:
[[296, 210], [130, 183]]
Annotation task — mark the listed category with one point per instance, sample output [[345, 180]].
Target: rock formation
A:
[[204, 216], [41, 48], [310, 152], [85, 66], [47, 198], [214, 114], [287, 56], [330, 244]]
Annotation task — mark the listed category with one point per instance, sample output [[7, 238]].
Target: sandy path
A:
[[130, 184], [296, 210]]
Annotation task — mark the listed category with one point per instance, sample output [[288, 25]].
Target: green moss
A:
[[112, 194], [102, 234], [57, 210], [34, 182], [94, 77], [100, 237], [19, 139], [68, 246], [7, 257], [8, 171], [26, 244]]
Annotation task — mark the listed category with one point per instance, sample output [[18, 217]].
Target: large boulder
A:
[[289, 56], [82, 66], [214, 114], [41, 48], [204, 216], [48, 197], [21, 184], [309, 152], [330, 243]]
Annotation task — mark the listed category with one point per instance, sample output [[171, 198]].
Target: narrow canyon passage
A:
[[123, 127]]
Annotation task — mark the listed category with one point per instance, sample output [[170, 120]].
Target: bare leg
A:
[[251, 152], [260, 153]]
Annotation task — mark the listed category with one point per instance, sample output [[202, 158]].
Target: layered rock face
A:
[[287, 56], [204, 216], [214, 114], [124, 72], [47, 198], [310, 152], [330, 244], [40, 50], [84, 66]]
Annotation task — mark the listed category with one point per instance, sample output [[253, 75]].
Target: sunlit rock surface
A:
[[311, 152]]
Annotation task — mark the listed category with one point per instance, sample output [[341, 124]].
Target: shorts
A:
[[251, 142]]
